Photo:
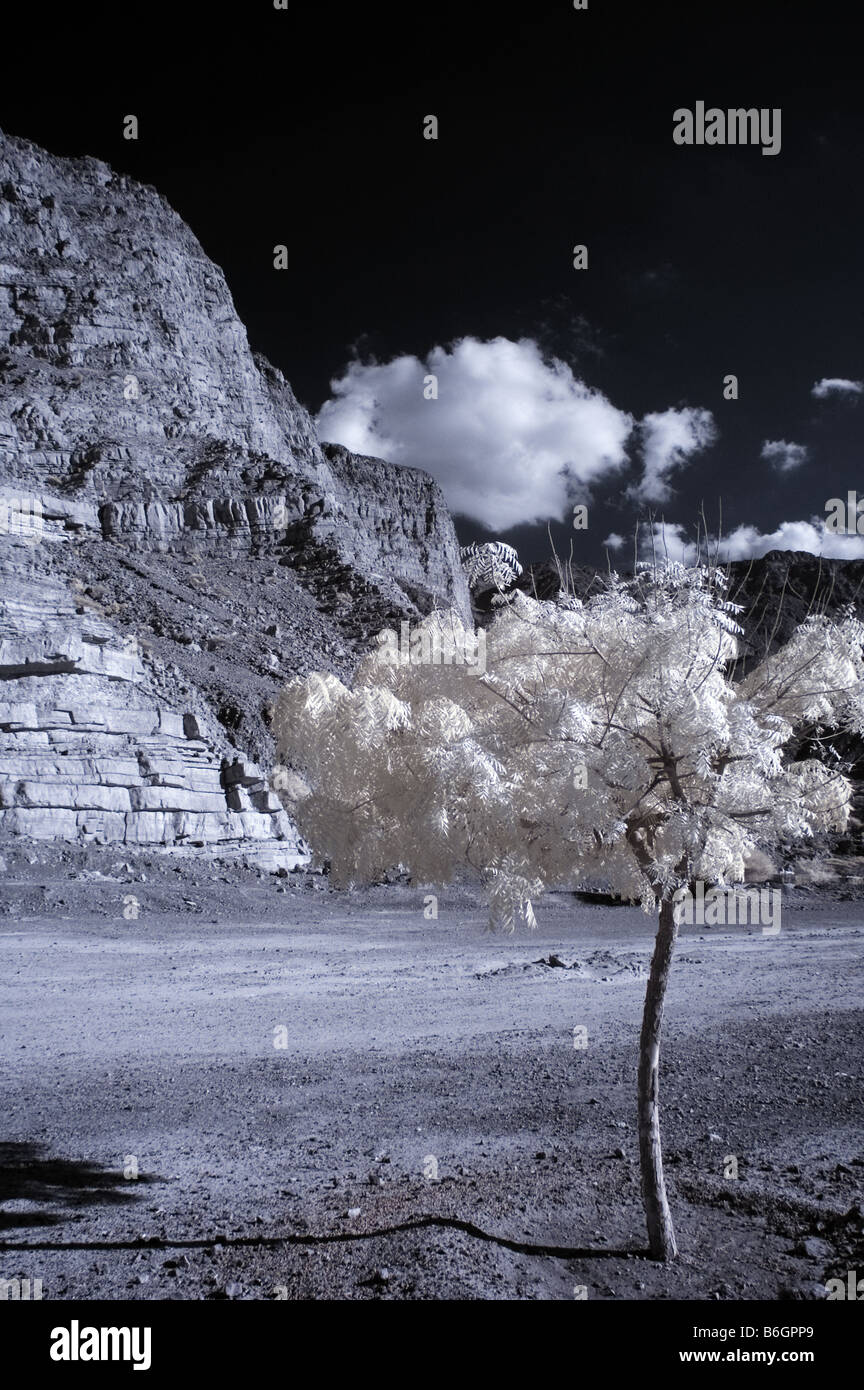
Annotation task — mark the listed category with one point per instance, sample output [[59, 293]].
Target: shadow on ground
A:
[[38, 1189]]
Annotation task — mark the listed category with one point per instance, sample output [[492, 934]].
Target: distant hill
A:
[[776, 592]]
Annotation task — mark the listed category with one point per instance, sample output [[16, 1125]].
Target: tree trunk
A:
[[661, 1234]]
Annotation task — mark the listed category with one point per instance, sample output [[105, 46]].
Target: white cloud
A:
[[613, 541], [785, 457], [747, 542], [670, 438], [666, 540], [836, 386], [512, 438]]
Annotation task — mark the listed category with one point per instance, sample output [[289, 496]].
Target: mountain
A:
[[175, 540], [775, 593]]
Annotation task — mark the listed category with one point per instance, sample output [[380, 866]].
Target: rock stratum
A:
[[175, 540]]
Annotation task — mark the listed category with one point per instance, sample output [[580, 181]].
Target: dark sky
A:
[[263, 127]]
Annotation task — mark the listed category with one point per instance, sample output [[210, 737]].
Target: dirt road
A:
[[290, 1071]]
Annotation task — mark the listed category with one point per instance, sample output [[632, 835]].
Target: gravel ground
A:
[[329, 1096]]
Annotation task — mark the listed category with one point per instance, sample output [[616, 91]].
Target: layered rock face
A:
[[162, 492], [90, 750], [133, 370]]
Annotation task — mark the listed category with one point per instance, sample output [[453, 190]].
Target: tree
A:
[[603, 739]]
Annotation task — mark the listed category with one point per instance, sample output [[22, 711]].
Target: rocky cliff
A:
[[162, 492]]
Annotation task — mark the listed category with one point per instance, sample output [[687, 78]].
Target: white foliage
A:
[[434, 765], [490, 565]]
